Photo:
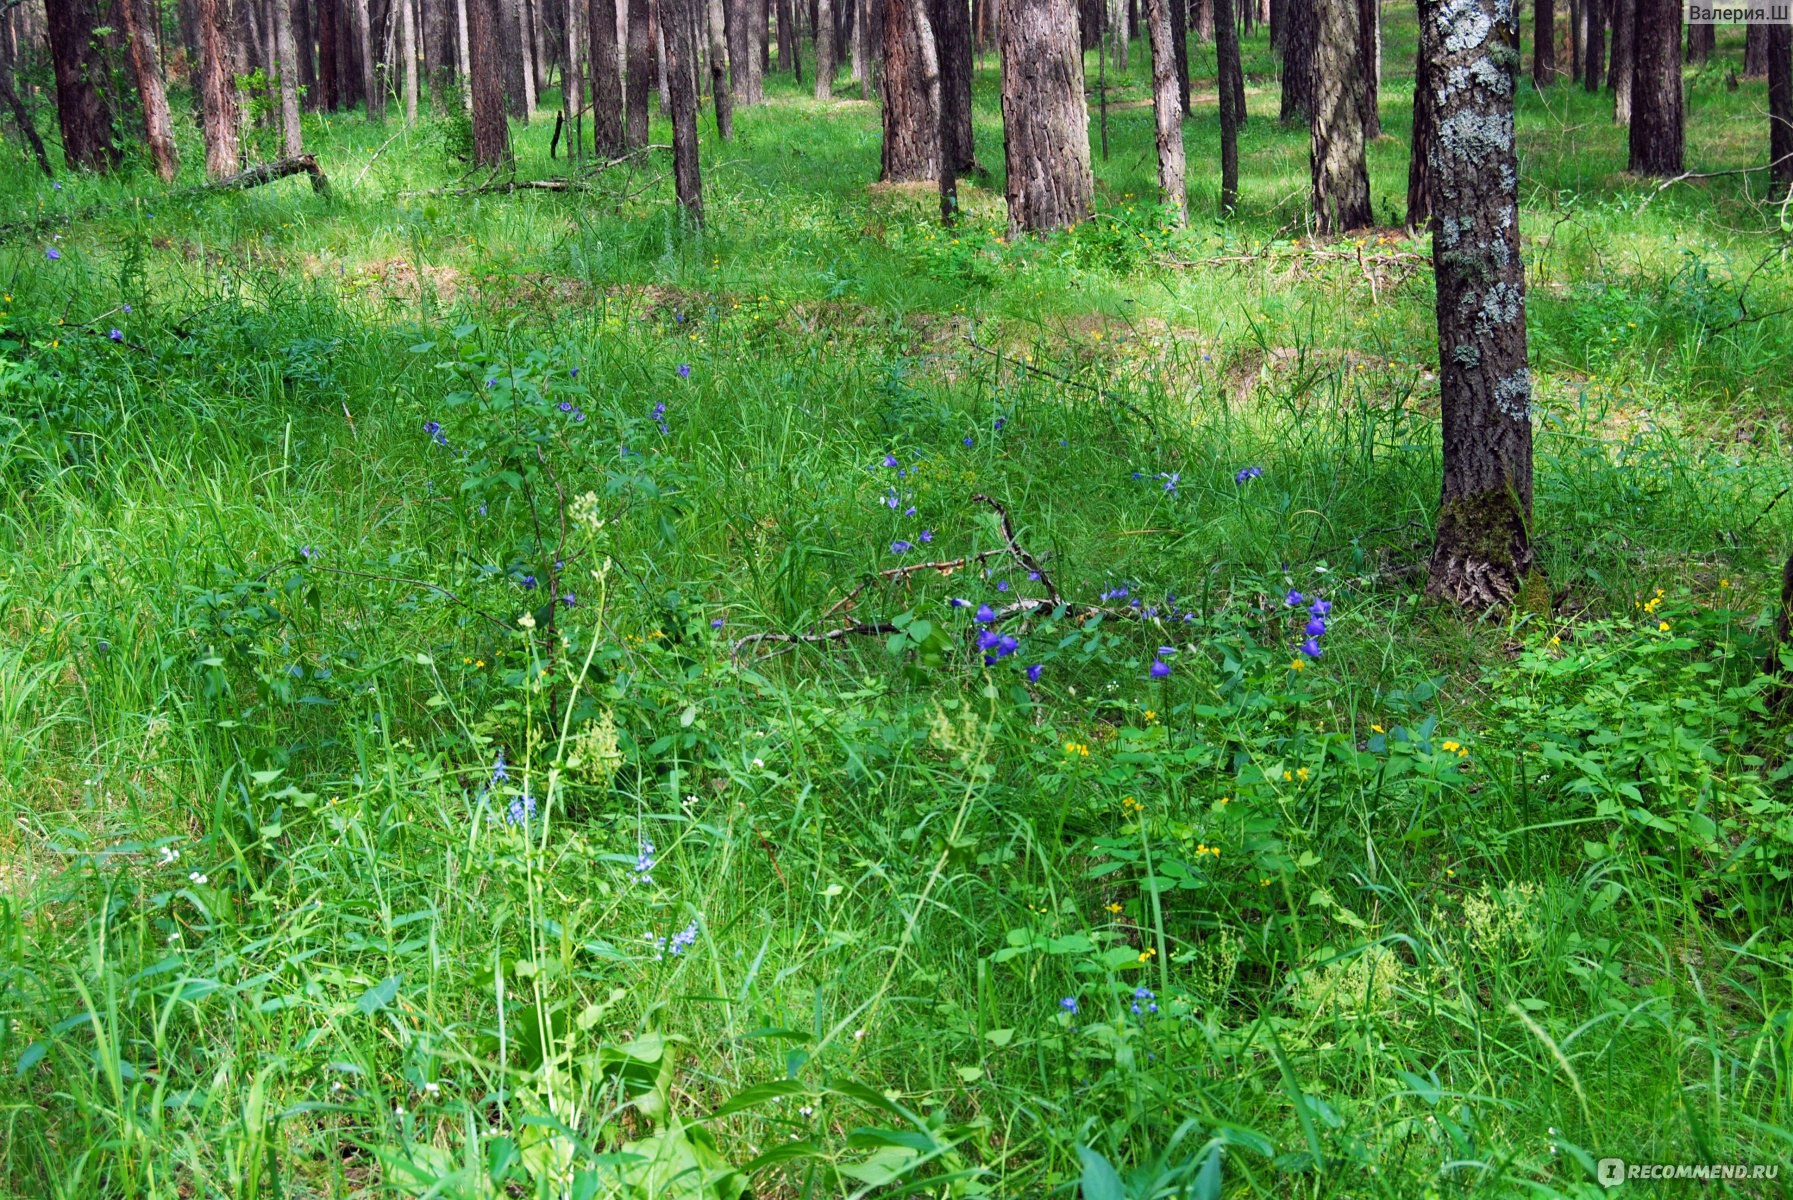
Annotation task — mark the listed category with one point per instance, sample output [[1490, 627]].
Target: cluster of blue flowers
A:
[[1246, 473], [434, 429], [644, 864], [659, 415], [1145, 997], [1315, 629], [572, 410], [521, 810], [894, 501], [681, 941]]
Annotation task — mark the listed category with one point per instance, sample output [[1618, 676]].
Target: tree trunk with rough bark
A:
[[1167, 109], [1594, 57], [911, 123], [81, 108], [1544, 44], [1298, 36], [721, 94], [1232, 101], [1656, 104], [1179, 40], [787, 60], [330, 54], [364, 38], [407, 47], [824, 51], [1619, 73], [1044, 117], [1204, 20], [1419, 159], [951, 23], [1577, 31], [1369, 34], [678, 20], [1780, 105], [1755, 50], [606, 80], [638, 73], [286, 58], [217, 91], [744, 53], [491, 129], [141, 33], [1341, 180], [1702, 38], [1483, 553]]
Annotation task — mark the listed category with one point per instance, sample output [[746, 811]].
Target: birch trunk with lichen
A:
[[1482, 554]]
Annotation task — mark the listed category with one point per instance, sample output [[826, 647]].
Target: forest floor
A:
[[416, 781]]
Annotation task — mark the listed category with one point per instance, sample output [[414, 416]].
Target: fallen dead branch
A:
[[1042, 373], [558, 183], [268, 172], [1012, 548]]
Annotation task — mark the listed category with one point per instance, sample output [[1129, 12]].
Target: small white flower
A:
[[337, 1086], [759, 764], [196, 877], [170, 855], [398, 1110], [430, 1088], [858, 1034], [527, 621], [807, 1111]]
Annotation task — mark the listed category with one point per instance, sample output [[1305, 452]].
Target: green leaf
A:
[[379, 996], [1100, 1180], [760, 1093]]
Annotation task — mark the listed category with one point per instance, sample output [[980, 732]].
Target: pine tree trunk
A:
[[744, 53], [1341, 180], [1701, 39], [1420, 214], [407, 16], [638, 73], [1624, 22], [461, 51], [364, 38], [1167, 110], [303, 38], [141, 21], [911, 126], [526, 48], [1369, 34], [491, 129], [1656, 112], [1594, 56], [510, 49], [81, 109], [951, 24], [1179, 41], [1483, 550], [824, 51], [1044, 118], [572, 77], [1232, 101], [330, 54], [786, 20], [866, 59], [286, 56], [721, 95], [678, 22], [1298, 41], [1577, 31], [217, 91], [606, 80], [1755, 51], [1204, 20], [1780, 105], [21, 117], [1543, 44], [660, 71]]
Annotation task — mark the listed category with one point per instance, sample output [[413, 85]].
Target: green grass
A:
[[1455, 909]]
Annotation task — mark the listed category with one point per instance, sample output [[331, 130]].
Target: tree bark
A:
[[638, 73], [330, 55], [1701, 39], [911, 124], [81, 109], [1204, 21], [824, 51], [1299, 34], [786, 46], [1044, 118], [606, 80], [1179, 40], [1577, 32], [951, 24], [1780, 105], [721, 95], [140, 21], [678, 19], [1594, 58], [660, 72], [1167, 109], [1544, 44], [461, 52], [286, 57], [744, 53], [1420, 215], [1369, 33], [1232, 101], [370, 88], [1755, 51], [1619, 74], [1656, 104], [491, 129], [1340, 172], [407, 40], [865, 61], [1483, 550], [217, 91]]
